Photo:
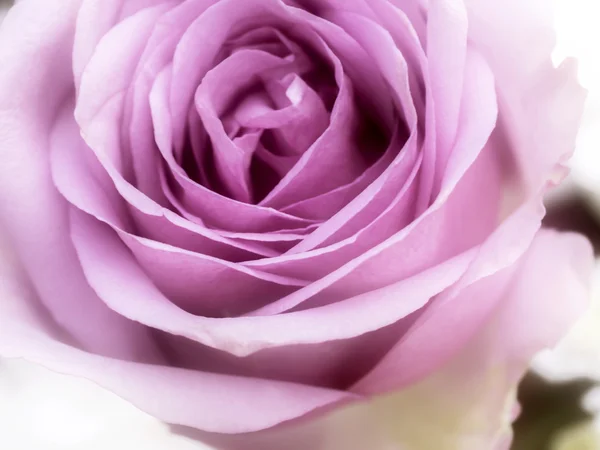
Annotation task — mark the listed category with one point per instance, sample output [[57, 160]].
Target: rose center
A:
[[263, 108]]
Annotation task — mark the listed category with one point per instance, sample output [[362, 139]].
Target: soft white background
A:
[[40, 410]]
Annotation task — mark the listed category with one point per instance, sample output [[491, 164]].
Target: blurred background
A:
[[560, 397]]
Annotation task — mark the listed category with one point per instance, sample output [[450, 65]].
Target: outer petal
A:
[[479, 383], [470, 402], [36, 37], [45, 410], [94, 20], [461, 310], [540, 105], [202, 400], [534, 313]]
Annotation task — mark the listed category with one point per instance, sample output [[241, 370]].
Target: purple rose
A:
[[240, 213]]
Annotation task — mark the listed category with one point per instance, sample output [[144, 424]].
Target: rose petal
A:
[[468, 403], [378, 44], [383, 262], [195, 200], [214, 94], [324, 206], [541, 105], [470, 397], [103, 132], [83, 181], [119, 280], [168, 393], [107, 77], [137, 124], [35, 34], [497, 255], [94, 20], [446, 56], [335, 364]]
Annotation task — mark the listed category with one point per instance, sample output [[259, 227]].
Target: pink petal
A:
[[382, 264], [541, 106], [496, 256], [119, 280], [171, 394], [35, 34], [535, 302], [447, 56]]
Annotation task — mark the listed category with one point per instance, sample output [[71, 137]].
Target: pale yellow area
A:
[[466, 405], [583, 436], [578, 354]]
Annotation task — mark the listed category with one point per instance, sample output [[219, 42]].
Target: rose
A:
[[409, 248], [235, 213]]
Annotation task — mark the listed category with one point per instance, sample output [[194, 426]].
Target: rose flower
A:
[[240, 215]]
